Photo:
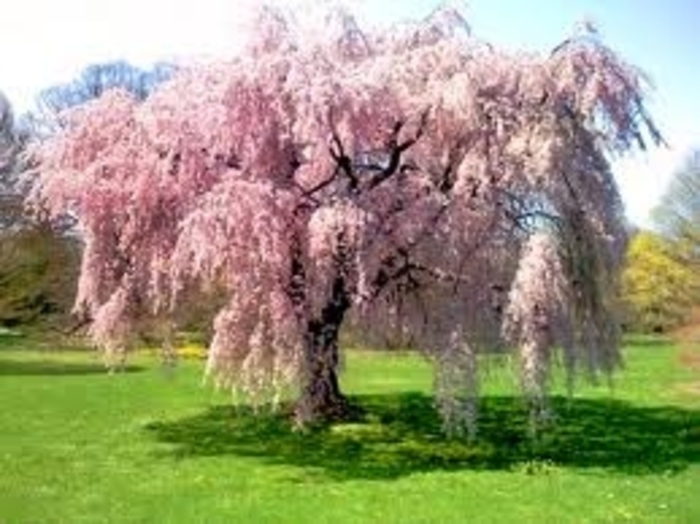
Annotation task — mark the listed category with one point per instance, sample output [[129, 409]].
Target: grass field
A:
[[153, 445]]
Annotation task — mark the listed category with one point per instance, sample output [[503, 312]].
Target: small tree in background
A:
[[7, 138], [658, 289], [677, 217], [418, 178], [91, 83], [39, 261], [35, 263], [10, 145], [661, 283]]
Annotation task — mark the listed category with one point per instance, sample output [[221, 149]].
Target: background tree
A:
[[35, 276], [658, 288], [10, 144], [6, 132], [39, 260], [674, 254], [91, 83], [416, 177], [677, 217]]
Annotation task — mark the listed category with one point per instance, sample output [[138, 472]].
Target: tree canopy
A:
[[415, 177], [657, 286], [660, 278]]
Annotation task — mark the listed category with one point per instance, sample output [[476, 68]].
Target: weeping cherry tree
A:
[[415, 179]]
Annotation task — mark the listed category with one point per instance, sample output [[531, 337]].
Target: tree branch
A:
[[396, 149]]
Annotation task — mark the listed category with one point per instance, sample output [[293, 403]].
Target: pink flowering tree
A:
[[414, 179]]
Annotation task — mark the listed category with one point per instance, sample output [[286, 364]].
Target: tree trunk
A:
[[321, 398]]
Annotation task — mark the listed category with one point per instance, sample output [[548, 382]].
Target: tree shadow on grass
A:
[[400, 434], [55, 367]]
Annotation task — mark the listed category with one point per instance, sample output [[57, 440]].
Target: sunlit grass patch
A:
[[155, 445]]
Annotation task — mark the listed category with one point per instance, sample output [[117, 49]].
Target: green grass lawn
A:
[[154, 445]]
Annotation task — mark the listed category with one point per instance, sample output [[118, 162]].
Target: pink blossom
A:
[[427, 183]]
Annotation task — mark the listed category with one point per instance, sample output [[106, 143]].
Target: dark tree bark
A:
[[321, 398]]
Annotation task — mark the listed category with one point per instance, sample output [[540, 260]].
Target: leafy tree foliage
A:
[[416, 178], [38, 270], [659, 290], [35, 262], [660, 279]]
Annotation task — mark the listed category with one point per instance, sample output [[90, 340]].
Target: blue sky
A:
[[661, 36]]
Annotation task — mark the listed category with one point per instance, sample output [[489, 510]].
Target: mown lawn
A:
[[154, 445]]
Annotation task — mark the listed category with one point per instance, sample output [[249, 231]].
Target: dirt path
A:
[[690, 357]]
